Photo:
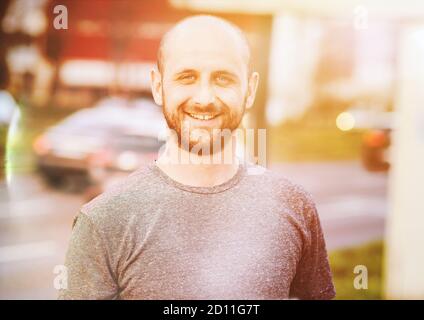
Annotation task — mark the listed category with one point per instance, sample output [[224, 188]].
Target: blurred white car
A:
[[114, 135], [7, 109]]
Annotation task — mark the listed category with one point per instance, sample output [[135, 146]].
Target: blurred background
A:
[[340, 96]]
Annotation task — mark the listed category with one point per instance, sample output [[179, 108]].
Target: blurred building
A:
[[108, 47]]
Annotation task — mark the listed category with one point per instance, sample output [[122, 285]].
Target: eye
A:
[[223, 80], [187, 78]]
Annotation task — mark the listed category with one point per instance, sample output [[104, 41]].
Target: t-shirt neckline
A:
[[233, 181]]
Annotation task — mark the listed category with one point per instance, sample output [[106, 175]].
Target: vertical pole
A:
[[404, 263]]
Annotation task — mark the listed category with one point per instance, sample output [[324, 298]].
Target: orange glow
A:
[[41, 145], [375, 139]]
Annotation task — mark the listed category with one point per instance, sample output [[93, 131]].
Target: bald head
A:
[[207, 32]]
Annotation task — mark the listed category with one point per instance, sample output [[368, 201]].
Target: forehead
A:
[[205, 49]]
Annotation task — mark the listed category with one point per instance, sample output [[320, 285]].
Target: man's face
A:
[[204, 86]]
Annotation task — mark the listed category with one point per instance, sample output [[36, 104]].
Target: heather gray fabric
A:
[[257, 236]]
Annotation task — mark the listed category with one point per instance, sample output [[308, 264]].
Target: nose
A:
[[204, 95]]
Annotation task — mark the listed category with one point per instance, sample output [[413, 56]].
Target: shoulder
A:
[[117, 202], [292, 194], [280, 184]]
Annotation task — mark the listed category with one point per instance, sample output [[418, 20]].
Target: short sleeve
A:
[[89, 274], [313, 279]]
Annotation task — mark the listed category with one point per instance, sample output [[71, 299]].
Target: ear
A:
[[252, 86], [156, 86]]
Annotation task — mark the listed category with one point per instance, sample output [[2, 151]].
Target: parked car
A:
[[124, 154], [115, 134], [376, 149], [377, 127]]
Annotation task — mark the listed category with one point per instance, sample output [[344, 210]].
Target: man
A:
[[200, 229]]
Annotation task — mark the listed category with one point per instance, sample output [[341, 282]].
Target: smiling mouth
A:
[[204, 117]]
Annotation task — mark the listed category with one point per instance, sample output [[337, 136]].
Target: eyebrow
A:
[[225, 72], [185, 71]]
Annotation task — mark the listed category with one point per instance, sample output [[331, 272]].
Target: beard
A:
[[199, 138]]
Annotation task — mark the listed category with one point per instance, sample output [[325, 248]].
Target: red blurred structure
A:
[[128, 33]]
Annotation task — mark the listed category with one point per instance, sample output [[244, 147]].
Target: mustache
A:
[[209, 108]]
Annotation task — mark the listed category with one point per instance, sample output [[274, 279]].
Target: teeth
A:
[[201, 117]]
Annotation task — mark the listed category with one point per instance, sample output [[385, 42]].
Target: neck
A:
[[198, 170]]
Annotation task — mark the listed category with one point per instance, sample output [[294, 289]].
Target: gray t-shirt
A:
[[257, 236]]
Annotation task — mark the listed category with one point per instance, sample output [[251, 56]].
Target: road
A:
[[351, 202], [35, 221]]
